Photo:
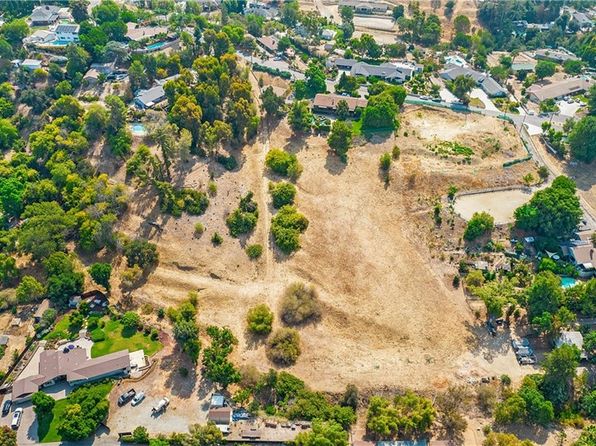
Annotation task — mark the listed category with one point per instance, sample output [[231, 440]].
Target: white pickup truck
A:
[[161, 405]]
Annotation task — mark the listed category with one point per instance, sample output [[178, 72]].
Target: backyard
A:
[[117, 337]]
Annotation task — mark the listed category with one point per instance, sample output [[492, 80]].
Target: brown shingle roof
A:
[[330, 101]]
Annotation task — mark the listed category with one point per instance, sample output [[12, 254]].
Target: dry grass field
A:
[[390, 315]]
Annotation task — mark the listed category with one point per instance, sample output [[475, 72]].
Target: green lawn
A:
[[61, 330], [47, 428], [117, 338]]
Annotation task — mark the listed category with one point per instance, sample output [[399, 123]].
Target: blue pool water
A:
[[138, 129], [568, 282], [155, 46], [60, 43]]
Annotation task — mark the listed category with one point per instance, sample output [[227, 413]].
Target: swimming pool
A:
[[568, 282], [60, 42], [155, 46], [138, 129]]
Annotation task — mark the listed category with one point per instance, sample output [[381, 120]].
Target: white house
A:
[[31, 64], [67, 32], [40, 37]]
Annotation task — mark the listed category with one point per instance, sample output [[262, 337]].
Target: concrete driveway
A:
[[481, 95]]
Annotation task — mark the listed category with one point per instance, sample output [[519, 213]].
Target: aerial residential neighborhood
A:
[[292, 222]]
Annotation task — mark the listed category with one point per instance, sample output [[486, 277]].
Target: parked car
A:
[[16, 418], [526, 360], [161, 405], [139, 397], [240, 414], [519, 343], [126, 397], [524, 351], [6, 407]]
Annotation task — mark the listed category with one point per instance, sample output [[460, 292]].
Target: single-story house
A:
[[4, 340], [220, 415], [572, 338], [341, 64], [456, 60], [391, 72], [40, 37], [45, 15], [96, 69], [364, 6], [71, 365], [138, 33], [268, 43], [328, 102], [528, 66], [67, 32], [584, 22], [41, 309], [328, 34], [490, 86], [150, 98], [31, 64], [560, 55], [583, 255], [559, 89]]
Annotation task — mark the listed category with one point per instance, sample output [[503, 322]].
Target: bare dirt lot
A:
[[390, 317]]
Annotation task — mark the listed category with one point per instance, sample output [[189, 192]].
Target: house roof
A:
[[152, 96], [144, 32], [4, 339], [557, 55], [562, 88], [45, 13], [31, 63], [583, 254], [331, 100], [217, 400], [220, 415], [67, 28], [41, 308], [361, 4], [491, 87], [386, 70], [268, 42], [453, 71], [74, 365], [571, 338]]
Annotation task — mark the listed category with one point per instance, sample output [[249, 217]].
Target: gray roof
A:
[[491, 87], [340, 61], [45, 13], [4, 340], [386, 71], [152, 96]]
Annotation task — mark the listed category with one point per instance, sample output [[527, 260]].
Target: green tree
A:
[[315, 80], [244, 219], [206, 435], [340, 139], [300, 117], [588, 437], [581, 139], [271, 103], [544, 295], [117, 114], [42, 404], [216, 366], [100, 273], [8, 134], [8, 436], [130, 320], [78, 61], [397, 12], [327, 433], [282, 193], [95, 121], [461, 23], [590, 346], [461, 87], [186, 114], [78, 9], [283, 346], [142, 253], [481, 223], [545, 68], [408, 415], [560, 368], [29, 290], [259, 319], [286, 228], [554, 211], [140, 435], [504, 439], [380, 112], [283, 163], [15, 31], [138, 76]]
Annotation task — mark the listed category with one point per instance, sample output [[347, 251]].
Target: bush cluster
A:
[[283, 346], [244, 219], [283, 163], [286, 228], [282, 193], [260, 319], [300, 304]]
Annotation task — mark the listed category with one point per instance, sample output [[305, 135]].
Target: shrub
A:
[[216, 239], [131, 320], [395, 152], [286, 227], [229, 162], [282, 193], [254, 251], [284, 346], [141, 252], [244, 219], [385, 161], [480, 224], [283, 163], [29, 290], [199, 228], [92, 322], [100, 273], [98, 335], [259, 319], [300, 304]]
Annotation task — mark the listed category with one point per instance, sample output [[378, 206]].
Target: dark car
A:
[[6, 407], [126, 397]]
